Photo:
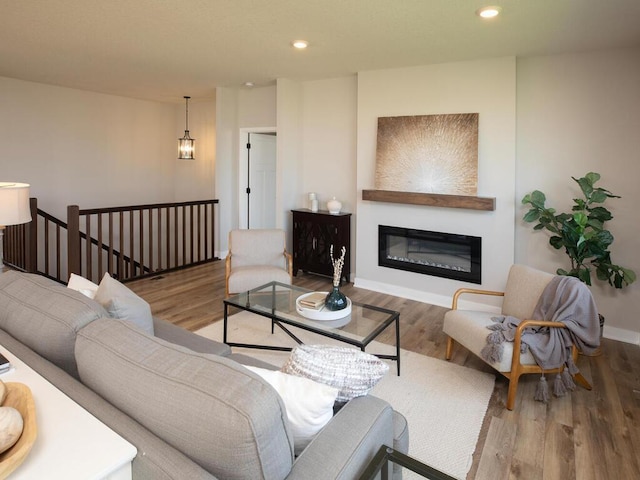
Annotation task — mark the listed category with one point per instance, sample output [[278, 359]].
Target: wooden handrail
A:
[[149, 240], [151, 246]]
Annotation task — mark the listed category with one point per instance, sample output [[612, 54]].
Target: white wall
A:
[[96, 150], [486, 87], [236, 109], [89, 149], [329, 141], [580, 113], [316, 132], [289, 151], [329, 127], [193, 179]]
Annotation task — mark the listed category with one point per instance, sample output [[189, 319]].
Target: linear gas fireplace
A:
[[432, 253]]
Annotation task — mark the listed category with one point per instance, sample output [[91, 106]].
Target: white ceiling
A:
[[164, 49]]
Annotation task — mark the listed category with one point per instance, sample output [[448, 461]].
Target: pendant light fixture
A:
[[186, 143]]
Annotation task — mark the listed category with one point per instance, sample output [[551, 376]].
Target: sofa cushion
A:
[[183, 337], [227, 419], [45, 315], [122, 303]]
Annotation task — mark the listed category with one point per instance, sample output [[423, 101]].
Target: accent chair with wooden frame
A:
[[469, 328], [256, 257]]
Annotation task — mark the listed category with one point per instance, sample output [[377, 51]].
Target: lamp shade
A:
[[14, 203], [186, 147]]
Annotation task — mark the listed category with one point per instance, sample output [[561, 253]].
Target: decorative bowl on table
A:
[[19, 397]]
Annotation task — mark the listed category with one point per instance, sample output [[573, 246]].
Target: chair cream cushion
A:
[[245, 278], [257, 247], [469, 328], [524, 288]]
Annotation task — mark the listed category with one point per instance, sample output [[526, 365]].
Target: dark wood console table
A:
[[313, 235]]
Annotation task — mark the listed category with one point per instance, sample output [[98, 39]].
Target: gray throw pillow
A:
[[122, 303]]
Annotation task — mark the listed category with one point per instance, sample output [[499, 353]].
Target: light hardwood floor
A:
[[587, 435]]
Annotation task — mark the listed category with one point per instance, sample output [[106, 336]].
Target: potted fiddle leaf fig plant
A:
[[582, 235], [581, 232]]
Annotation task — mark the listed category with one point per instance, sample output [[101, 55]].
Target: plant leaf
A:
[[586, 185], [556, 242], [532, 215], [584, 274], [629, 275], [601, 214], [598, 196], [592, 177], [581, 219]]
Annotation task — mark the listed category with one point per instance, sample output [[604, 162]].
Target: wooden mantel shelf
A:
[[431, 199]]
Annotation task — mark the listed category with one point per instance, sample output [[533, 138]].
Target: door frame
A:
[[242, 168]]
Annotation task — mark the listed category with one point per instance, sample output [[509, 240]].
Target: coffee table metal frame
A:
[[242, 301], [381, 466]]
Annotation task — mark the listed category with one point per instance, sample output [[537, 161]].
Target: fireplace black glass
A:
[[447, 255]]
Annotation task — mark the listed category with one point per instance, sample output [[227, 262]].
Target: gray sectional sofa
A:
[[185, 402]]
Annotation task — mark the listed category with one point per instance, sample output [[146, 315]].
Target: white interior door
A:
[[258, 182]]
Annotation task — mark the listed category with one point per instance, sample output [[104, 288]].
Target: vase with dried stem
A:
[[336, 300]]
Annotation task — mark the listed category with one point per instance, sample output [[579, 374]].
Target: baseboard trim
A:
[[420, 295], [611, 333], [621, 335]]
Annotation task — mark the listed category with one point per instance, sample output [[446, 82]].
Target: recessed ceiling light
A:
[[249, 84], [300, 44], [489, 12]]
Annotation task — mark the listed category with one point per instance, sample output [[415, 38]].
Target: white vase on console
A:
[[334, 206], [313, 202]]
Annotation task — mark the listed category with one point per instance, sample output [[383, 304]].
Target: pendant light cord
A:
[[186, 121]]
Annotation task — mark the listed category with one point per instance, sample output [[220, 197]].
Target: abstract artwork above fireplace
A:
[[428, 154]]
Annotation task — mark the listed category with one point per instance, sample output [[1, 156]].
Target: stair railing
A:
[[127, 242]]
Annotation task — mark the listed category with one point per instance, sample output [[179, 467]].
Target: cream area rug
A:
[[444, 403]]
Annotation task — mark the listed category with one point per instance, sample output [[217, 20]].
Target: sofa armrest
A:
[[183, 337], [347, 444]]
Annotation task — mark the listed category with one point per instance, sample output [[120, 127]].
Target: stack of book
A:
[[314, 301]]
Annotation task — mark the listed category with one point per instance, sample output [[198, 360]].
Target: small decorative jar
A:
[[334, 206], [313, 202]]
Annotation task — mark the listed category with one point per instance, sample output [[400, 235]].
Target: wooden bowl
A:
[[19, 397]]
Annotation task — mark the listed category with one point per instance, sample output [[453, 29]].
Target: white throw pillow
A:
[[82, 285], [309, 404], [122, 303]]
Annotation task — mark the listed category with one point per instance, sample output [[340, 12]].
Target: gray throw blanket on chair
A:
[[566, 300]]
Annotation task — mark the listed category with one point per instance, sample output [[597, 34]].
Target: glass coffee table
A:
[[277, 302]]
